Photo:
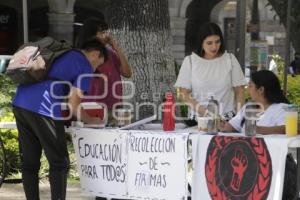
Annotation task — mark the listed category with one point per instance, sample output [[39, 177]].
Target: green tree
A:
[[9, 136], [280, 7], [293, 89]]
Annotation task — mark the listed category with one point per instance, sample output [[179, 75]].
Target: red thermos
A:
[[169, 113]]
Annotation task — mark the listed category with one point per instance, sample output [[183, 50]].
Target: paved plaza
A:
[[15, 192]]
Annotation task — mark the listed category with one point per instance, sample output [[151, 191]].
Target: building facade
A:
[[61, 18]]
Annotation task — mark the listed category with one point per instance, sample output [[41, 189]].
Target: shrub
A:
[[293, 83], [9, 136], [293, 89]]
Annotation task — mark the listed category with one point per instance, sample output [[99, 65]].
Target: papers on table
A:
[[138, 123]]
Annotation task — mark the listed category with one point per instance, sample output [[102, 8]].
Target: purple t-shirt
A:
[[107, 88], [45, 97]]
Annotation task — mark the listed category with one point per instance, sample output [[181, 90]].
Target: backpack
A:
[[33, 60]]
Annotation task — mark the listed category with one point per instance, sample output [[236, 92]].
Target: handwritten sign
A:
[[102, 163], [157, 167]]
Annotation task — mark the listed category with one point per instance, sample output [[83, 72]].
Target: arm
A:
[[125, 68], [270, 130], [276, 124], [74, 103], [239, 97], [226, 127], [186, 97]]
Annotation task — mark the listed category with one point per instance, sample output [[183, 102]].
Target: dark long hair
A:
[[272, 89], [89, 30], [207, 30], [94, 43], [271, 84]]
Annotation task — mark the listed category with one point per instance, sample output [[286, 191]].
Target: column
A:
[[61, 26]]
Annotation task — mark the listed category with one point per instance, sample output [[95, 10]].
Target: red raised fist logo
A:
[[238, 168], [239, 164]]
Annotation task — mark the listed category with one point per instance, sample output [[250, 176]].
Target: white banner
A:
[[102, 163], [158, 165], [233, 166]]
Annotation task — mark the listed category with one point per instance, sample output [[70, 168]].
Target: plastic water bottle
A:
[[169, 113], [251, 111], [213, 112]]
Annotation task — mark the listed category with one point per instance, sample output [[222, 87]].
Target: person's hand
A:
[[239, 164], [96, 121], [109, 40], [106, 38], [203, 129], [222, 125]]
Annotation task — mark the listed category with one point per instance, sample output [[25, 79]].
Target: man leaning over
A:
[[37, 109]]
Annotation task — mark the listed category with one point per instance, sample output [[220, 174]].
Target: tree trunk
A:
[[142, 28], [280, 7]]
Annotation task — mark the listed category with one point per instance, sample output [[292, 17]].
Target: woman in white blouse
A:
[[211, 71], [264, 89]]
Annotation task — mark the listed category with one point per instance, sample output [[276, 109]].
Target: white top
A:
[[273, 116], [215, 77]]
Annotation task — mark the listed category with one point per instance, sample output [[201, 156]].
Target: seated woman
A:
[[264, 89]]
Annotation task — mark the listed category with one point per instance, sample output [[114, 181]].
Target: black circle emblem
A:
[[238, 168]]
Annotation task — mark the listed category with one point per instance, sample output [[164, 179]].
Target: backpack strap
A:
[[57, 79]]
